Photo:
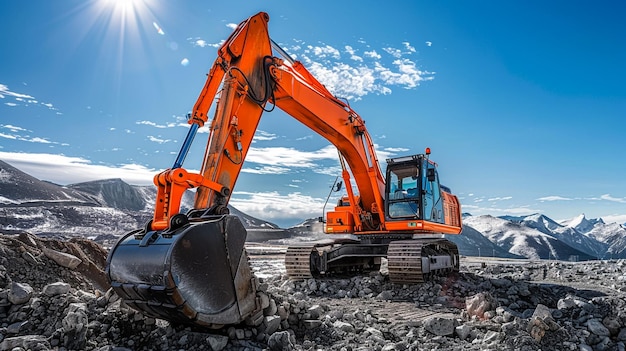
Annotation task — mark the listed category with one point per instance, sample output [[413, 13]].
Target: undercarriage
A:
[[408, 260]]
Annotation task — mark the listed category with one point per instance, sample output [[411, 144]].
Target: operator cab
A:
[[413, 190]]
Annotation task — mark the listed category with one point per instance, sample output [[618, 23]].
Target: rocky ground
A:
[[53, 296]]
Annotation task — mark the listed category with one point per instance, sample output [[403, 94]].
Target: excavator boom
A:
[[193, 268]]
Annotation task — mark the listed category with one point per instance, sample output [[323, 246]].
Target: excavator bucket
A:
[[196, 274]]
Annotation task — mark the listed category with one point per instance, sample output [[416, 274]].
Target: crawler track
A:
[[298, 262], [409, 261]]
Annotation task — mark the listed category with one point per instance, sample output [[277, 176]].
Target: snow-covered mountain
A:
[[582, 224], [521, 239], [568, 235], [17, 187], [99, 209], [534, 236], [611, 235]]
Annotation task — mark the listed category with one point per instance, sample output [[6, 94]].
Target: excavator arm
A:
[[248, 78]]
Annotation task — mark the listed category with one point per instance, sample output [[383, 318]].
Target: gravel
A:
[[53, 304]]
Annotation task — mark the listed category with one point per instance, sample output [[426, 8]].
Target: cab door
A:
[[431, 195]]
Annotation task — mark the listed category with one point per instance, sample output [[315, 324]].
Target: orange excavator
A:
[[193, 268]]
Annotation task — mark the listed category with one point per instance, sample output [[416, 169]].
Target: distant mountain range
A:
[[105, 209], [539, 237], [100, 210]]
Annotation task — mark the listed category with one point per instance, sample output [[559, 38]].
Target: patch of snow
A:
[[4, 200], [5, 177]]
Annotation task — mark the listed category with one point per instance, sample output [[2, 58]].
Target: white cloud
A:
[[397, 53], [8, 136], [4, 90], [372, 54], [273, 206], [290, 157], [608, 197], [408, 47], [356, 78], [39, 140], [346, 81], [199, 42], [429, 43], [158, 139], [396, 149], [156, 125], [13, 128], [353, 55], [323, 51], [614, 218], [266, 170], [261, 135], [514, 210], [63, 169], [500, 198], [406, 75], [554, 198], [27, 138]]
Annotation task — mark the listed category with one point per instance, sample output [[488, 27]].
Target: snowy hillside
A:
[[612, 235], [17, 187], [103, 208], [568, 235], [523, 240]]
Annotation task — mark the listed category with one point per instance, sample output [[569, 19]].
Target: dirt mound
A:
[[27, 258]]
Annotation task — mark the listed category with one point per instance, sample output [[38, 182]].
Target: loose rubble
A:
[[52, 304]]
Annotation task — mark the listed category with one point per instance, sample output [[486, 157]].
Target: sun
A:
[[122, 28], [125, 16]]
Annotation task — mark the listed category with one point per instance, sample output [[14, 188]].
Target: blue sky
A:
[[522, 102]]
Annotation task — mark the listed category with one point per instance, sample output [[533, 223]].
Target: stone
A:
[[343, 326], [271, 323], [544, 314], [58, 288], [265, 300], [281, 341], [62, 259], [75, 326], [20, 293], [30, 258], [443, 326], [480, 303], [463, 331], [385, 295], [596, 327], [491, 336], [28, 342], [316, 311], [217, 342], [272, 309], [17, 327], [612, 324], [565, 303], [27, 239]]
